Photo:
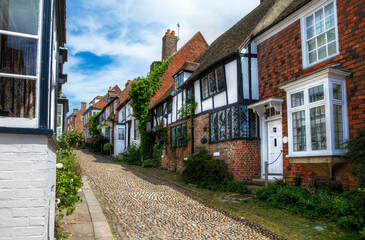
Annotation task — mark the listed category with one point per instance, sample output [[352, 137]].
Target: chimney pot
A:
[[173, 33], [168, 32]]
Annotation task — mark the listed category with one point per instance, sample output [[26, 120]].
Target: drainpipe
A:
[[192, 134]]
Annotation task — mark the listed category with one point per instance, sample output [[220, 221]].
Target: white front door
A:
[[275, 148], [119, 138]]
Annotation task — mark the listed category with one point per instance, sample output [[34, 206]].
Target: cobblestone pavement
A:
[[150, 209]]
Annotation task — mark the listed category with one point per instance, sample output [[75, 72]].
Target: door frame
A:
[[265, 144]]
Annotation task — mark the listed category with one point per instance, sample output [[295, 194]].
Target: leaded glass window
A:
[[299, 137], [178, 136], [233, 122], [338, 125], [316, 93], [297, 99], [318, 128], [213, 82], [337, 91]]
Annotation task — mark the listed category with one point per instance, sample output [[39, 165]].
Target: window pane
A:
[[297, 99], [17, 97], [321, 40], [173, 137], [222, 125], [309, 21], [220, 79], [322, 53], [319, 27], [338, 125], [328, 10], [330, 22], [331, 36], [319, 15], [244, 121], [18, 55], [228, 123], [205, 87], [213, 127], [310, 32], [19, 16], [337, 91], [312, 45], [253, 124], [120, 133], [331, 48], [235, 123], [318, 128], [299, 137], [312, 57], [316, 93], [212, 83]]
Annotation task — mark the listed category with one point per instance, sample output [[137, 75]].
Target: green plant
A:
[[356, 156], [187, 109], [141, 93], [70, 140], [150, 163], [204, 171], [97, 142], [108, 148], [133, 156]]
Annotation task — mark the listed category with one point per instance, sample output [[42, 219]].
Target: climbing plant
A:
[[141, 93]]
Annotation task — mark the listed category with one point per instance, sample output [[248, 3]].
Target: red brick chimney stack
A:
[[169, 44], [75, 110], [261, 1], [83, 105]]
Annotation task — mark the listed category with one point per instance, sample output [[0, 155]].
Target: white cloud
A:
[[131, 31]]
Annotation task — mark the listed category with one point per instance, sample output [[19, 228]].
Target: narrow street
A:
[[150, 209]]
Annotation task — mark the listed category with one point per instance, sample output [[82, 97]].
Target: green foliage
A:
[[68, 180], [156, 160], [346, 209], [141, 93], [93, 127], [201, 169], [97, 142], [108, 148], [150, 163], [69, 140], [356, 156], [187, 109], [133, 156]]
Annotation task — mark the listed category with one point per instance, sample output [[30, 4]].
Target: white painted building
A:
[[32, 33]]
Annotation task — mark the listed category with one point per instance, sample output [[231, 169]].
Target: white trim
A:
[[26, 77], [306, 9], [261, 106], [17, 34]]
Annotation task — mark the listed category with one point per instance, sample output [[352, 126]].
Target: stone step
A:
[[261, 182]]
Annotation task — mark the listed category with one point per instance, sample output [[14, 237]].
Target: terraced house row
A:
[[284, 85]]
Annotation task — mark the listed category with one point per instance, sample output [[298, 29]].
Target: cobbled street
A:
[[150, 209]]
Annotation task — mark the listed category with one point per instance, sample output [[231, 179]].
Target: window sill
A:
[[320, 61], [28, 131]]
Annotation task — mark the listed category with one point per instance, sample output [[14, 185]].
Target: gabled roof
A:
[[234, 39], [189, 52]]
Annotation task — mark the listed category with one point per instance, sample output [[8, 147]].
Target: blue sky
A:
[[112, 41]]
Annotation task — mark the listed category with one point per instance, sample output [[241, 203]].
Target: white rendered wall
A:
[[27, 187], [220, 99], [207, 104], [197, 96], [231, 79]]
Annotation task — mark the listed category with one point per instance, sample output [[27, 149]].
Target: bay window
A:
[[317, 114], [232, 123], [319, 31], [19, 60]]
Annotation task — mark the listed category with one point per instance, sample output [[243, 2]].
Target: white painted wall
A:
[[174, 108], [197, 96], [231, 79], [207, 104], [220, 99], [27, 187]]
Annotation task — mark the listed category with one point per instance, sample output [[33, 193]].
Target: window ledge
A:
[[28, 131]]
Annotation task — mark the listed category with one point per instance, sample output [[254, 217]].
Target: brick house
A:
[[94, 107], [244, 78], [311, 71], [33, 34], [75, 121]]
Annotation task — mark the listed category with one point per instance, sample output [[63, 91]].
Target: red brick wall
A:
[[241, 156], [280, 60]]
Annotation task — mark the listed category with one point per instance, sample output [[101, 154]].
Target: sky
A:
[[112, 41]]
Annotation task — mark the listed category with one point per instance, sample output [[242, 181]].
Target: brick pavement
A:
[[150, 209]]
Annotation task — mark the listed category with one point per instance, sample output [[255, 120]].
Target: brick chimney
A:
[[83, 105], [262, 1], [75, 110], [169, 44]]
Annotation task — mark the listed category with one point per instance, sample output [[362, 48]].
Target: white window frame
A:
[[27, 122], [305, 57], [326, 78]]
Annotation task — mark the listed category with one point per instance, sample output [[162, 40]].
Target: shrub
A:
[[150, 163], [133, 156], [97, 142], [201, 169], [69, 140], [108, 148], [356, 155]]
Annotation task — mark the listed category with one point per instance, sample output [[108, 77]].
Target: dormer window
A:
[[213, 83], [180, 78]]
